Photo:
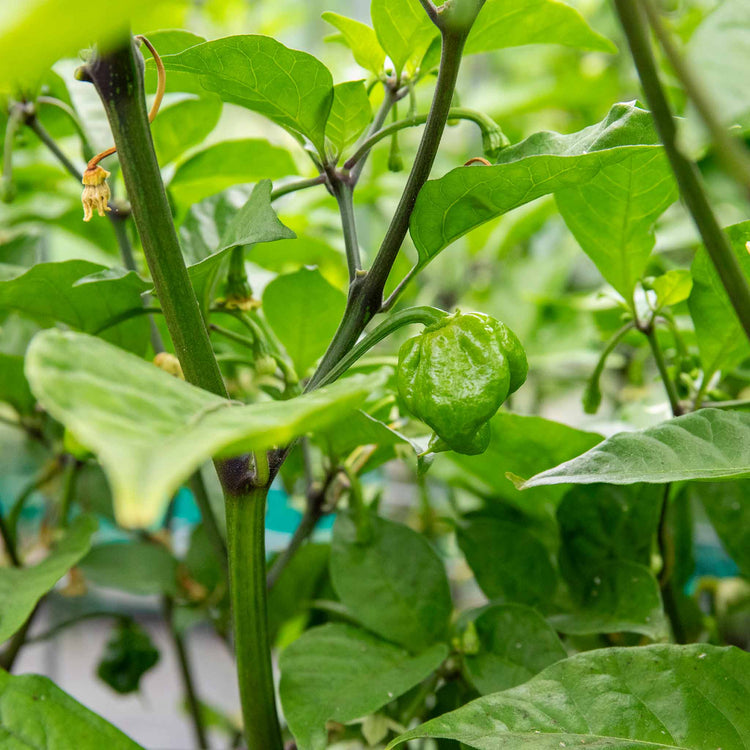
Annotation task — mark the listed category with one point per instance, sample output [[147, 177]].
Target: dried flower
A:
[[95, 192], [169, 363]]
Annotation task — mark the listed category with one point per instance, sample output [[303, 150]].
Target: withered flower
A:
[[95, 192]]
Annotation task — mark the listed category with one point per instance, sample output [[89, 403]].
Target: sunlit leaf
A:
[[361, 39]]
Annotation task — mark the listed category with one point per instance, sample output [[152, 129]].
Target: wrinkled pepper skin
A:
[[456, 374]]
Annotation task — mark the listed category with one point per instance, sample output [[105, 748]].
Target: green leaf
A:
[[341, 673], [660, 697], [304, 311], [349, 116], [514, 644], [170, 42], [623, 597], [466, 197], [151, 430], [671, 287], [22, 588], [14, 388], [391, 580], [522, 446], [722, 342], [707, 444], [729, 511], [292, 88], [404, 31], [511, 23], [37, 715], [141, 568], [183, 125], [361, 428], [128, 655], [362, 41], [228, 163], [612, 215], [523, 572], [48, 292]]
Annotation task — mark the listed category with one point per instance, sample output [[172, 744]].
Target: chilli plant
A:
[[493, 578]]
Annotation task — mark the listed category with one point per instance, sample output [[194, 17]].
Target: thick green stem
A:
[[686, 172], [246, 537], [731, 151]]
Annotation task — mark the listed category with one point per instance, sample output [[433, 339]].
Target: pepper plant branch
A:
[[118, 77], [731, 151], [33, 122], [686, 172], [342, 192], [86, 150], [293, 187], [389, 99], [669, 386], [16, 117]]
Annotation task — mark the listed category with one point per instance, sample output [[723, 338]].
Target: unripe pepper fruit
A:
[[457, 373]]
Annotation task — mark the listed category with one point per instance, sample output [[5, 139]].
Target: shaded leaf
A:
[[655, 698], [151, 430], [391, 580], [37, 715], [341, 673], [707, 444], [290, 87], [22, 588], [182, 125], [128, 655]]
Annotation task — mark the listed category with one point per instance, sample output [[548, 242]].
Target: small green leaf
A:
[[404, 31], [511, 23], [613, 214], [151, 430], [707, 444], [349, 116], [672, 287], [128, 655], [361, 40], [182, 125], [521, 573], [22, 588], [290, 87], [515, 643], [304, 311], [361, 428], [466, 197], [391, 580], [48, 292], [722, 342], [228, 163], [140, 568], [729, 511], [341, 673], [659, 697], [37, 715]]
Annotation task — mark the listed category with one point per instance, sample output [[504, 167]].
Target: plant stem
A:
[[17, 642], [342, 191], [68, 491], [186, 674], [246, 537], [686, 172], [389, 99], [16, 117], [215, 537], [731, 152], [456, 113], [86, 151], [9, 542], [232, 336], [51, 144], [674, 399], [293, 187]]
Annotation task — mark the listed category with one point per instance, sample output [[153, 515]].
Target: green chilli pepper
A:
[[456, 374]]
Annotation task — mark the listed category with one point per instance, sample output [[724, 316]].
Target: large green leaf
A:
[[349, 116], [649, 698], [722, 341], [362, 41], [22, 588], [728, 507], [36, 715], [183, 125], [404, 31], [544, 163], [513, 644], [151, 430], [523, 446], [341, 673], [391, 580], [612, 215], [707, 444], [228, 163], [304, 311], [49, 292], [292, 88], [511, 23]]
